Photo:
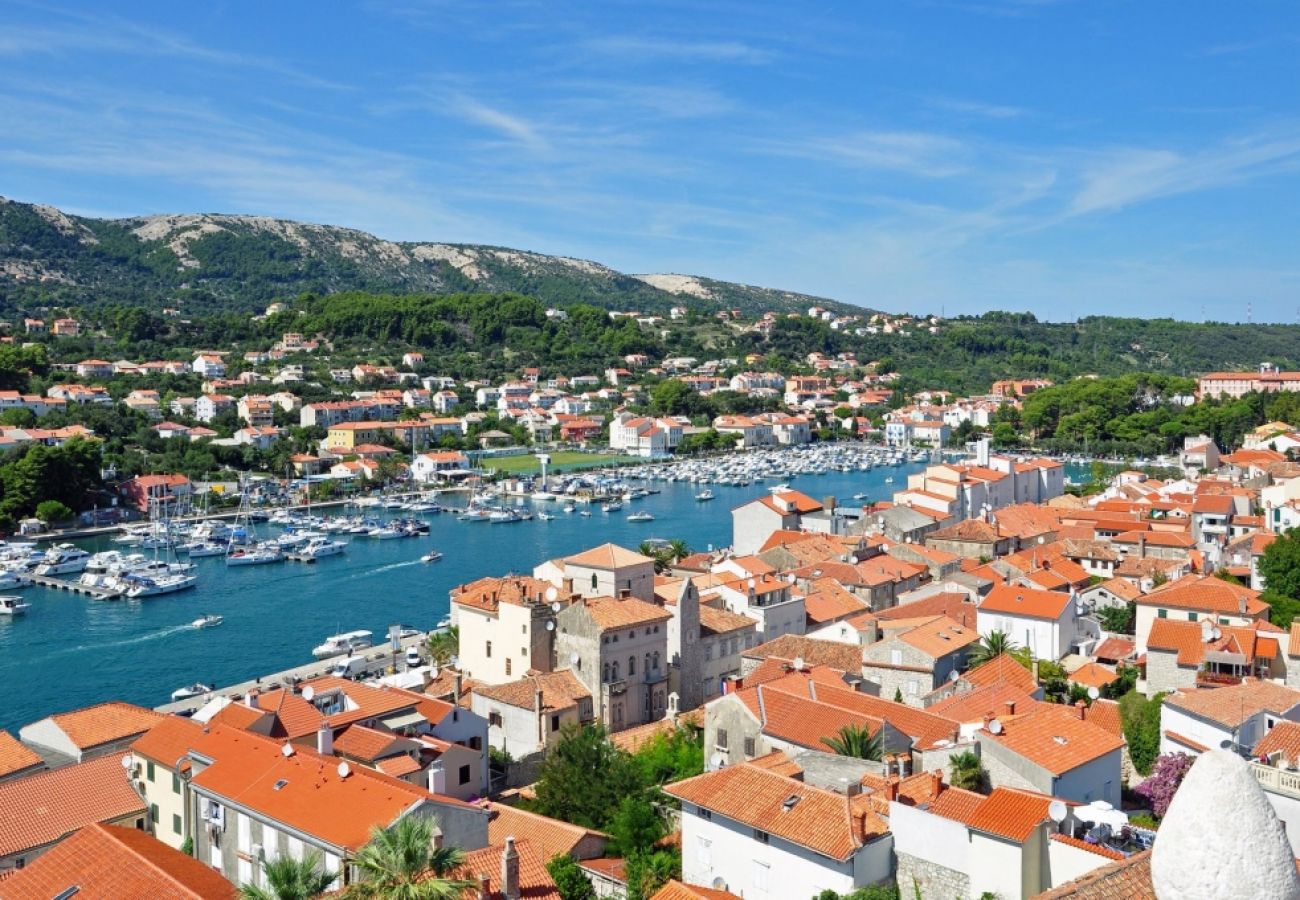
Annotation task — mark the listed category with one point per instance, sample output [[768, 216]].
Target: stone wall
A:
[[1164, 673], [930, 881]]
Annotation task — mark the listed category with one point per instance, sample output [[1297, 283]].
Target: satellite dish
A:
[[574, 658], [308, 693], [750, 582], [953, 675], [798, 663], [287, 750], [1207, 630], [719, 884], [995, 727], [717, 761], [550, 626], [344, 770], [128, 761], [556, 606], [1217, 633], [1056, 811], [552, 593], [1093, 693]]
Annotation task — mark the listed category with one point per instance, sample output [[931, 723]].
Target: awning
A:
[[404, 721]]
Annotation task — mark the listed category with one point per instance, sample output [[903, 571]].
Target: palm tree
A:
[[443, 645], [663, 556], [856, 741], [290, 879], [679, 548], [966, 771], [401, 863], [992, 645]]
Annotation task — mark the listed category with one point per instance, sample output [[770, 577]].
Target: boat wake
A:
[[387, 568], [138, 639]]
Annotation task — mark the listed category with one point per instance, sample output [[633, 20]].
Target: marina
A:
[[274, 614]]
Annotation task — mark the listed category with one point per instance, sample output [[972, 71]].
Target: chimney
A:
[[891, 789], [325, 739], [253, 699], [1142, 545], [484, 887], [936, 782], [455, 701], [1082, 707], [437, 779], [1011, 707], [1241, 604], [988, 719], [828, 502], [904, 765], [510, 871]]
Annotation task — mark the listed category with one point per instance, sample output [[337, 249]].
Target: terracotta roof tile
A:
[[398, 766], [623, 612], [953, 604], [560, 690], [1105, 714], [487, 594], [939, 637], [1054, 738], [1010, 813], [814, 652], [608, 556], [110, 861], [534, 881], [973, 705], [1001, 668], [675, 890], [1093, 675], [802, 720], [1028, 602], [1107, 852], [778, 761], [365, 744], [956, 804], [104, 723], [551, 837], [723, 621], [1233, 704], [1284, 738], [16, 756], [922, 726], [1205, 593], [811, 817], [1128, 879], [169, 740], [39, 809], [1115, 649]]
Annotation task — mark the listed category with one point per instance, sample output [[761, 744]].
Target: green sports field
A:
[[561, 461]]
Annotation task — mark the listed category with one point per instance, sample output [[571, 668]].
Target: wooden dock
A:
[[60, 584]]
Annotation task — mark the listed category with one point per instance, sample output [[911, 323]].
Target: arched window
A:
[[631, 666], [656, 660], [605, 672], [593, 581], [615, 671], [647, 669]]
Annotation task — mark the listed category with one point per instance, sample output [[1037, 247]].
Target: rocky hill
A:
[[206, 263]]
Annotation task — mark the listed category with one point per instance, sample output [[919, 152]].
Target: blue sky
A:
[[1068, 158]]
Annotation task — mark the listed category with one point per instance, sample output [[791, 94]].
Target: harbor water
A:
[[70, 651]]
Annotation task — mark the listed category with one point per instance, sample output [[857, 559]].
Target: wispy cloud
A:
[[652, 48], [975, 108], [910, 152], [512, 127], [1128, 176]]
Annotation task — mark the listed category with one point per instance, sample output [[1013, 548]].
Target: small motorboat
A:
[[197, 689], [569, 508], [585, 512], [704, 495], [859, 496], [13, 606], [444, 623], [640, 517], [545, 517], [208, 621], [431, 556]]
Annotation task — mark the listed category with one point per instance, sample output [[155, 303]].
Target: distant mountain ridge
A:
[[238, 263]]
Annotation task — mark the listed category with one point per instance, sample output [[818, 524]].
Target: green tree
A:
[[634, 826], [443, 645], [992, 645], [649, 870], [401, 863], [570, 880], [856, 741], [671, 397], [1280, 569], [53, 511], [584, 778], [1120, 619], [290, 879], [965, 771], [1140, 718], [666, 758]]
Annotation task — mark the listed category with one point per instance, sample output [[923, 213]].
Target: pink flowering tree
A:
[[1166, 775]]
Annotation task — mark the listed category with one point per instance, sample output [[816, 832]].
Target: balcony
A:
[[1217, 679], [1277, 781]]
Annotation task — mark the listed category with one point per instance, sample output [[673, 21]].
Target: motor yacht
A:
[[341, 644]]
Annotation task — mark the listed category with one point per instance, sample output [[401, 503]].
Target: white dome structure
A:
[[1221, 838]]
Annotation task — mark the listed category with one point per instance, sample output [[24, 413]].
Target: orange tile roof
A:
[[366, 744], [551, 837], [15, 755], [168, 741], [676, 890], [802, 503], [779, 762], [1205, 593], [1122, 587], [535, 882], [723, 621], [1054, 738], [1022, 601], [1116, 648], [364, 701], [608, 556], [970, 706], [955, 605], [1011, 813], [818, 819], [111, 861], [294, 716], [1105, 714], [1002, 668], [1093, 675], [560, 690], [939, 637], [238, 715], [1283, 738], [800, 719], [1098, 849], [1233, 704], [1127, 879], [314, 799], [104, 723], [398, 766], [1187, 639], [814, 652], [922, 726], [957, 804], [623, 612], [39, 809], [487, 594]]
